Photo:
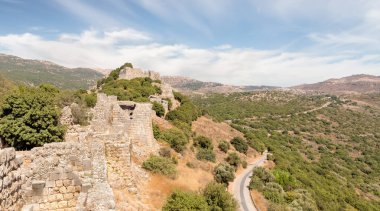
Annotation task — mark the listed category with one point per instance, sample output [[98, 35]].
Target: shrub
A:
[[90, 100], [206, 154], [187, 112], [114, 75], [284, 178], [160, 165], [156, 131], [240, 144], [244, 164], [233, 159], [190, 165], [203, 142], [224, 146], [218, 198], [158, 108], [176, 138], [29, 118], [224, 173], [80, 114], [181, 200], [137, 89], [165, 152]]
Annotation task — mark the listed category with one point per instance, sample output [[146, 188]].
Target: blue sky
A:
[[248, 42]]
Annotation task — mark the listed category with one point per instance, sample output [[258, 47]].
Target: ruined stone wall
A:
[[131, 73], [140, 130], [61, 175], [59, 191], [10, 180]]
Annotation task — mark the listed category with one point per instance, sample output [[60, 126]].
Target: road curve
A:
[[240, 185]]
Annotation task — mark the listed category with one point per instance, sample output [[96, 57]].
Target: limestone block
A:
[[67, 182], [62, 189], [86, 187], [59, 197], [68, 196], [52, 198], [71, 189], [38, 185], [62, 204], [59, 183]]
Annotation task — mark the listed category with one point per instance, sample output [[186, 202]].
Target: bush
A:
[[160, 165], [244, 164], [114, 75], [165, 152], [158, 108], [206, 154], [240, 144], [90, 100], [29, 118], [218, 198], [224, 146], [224, 173], [80, 114], [181, 200], [176, 138], [233, 159], [137, 89], [187, 112], [203, 142], [156, 131]]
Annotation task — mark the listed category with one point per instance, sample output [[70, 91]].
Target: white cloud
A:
[[224, 64]]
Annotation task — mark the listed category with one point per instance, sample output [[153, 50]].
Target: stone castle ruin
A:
[[81, 173]]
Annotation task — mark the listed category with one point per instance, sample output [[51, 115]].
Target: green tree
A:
[[203, 142], [158, 108], [160, 165], [224, 146], [206, 154], [29, 118], [186, 201], [224, 173], [233, 159], [176, 138], [218, 198], [240, 144]]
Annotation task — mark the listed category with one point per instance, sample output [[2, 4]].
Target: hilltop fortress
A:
[[82, 172]]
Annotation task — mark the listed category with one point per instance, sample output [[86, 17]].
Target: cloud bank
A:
[[225, 64]]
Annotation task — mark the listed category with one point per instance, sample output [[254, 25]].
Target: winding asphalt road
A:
[[240, 185]]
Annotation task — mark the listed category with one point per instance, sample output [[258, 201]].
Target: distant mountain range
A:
[[351, 84], [189, 85], [35, 72]]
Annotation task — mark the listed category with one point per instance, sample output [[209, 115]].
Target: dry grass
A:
[[216, 131], [260, 201], [161, 123], [193, 179]]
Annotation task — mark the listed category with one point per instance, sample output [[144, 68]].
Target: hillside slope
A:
[[35, 72], [189, 85], [351, 84]]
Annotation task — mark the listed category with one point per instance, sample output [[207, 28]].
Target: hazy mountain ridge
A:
[[34, 72], [189, 85], [352, 84]]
